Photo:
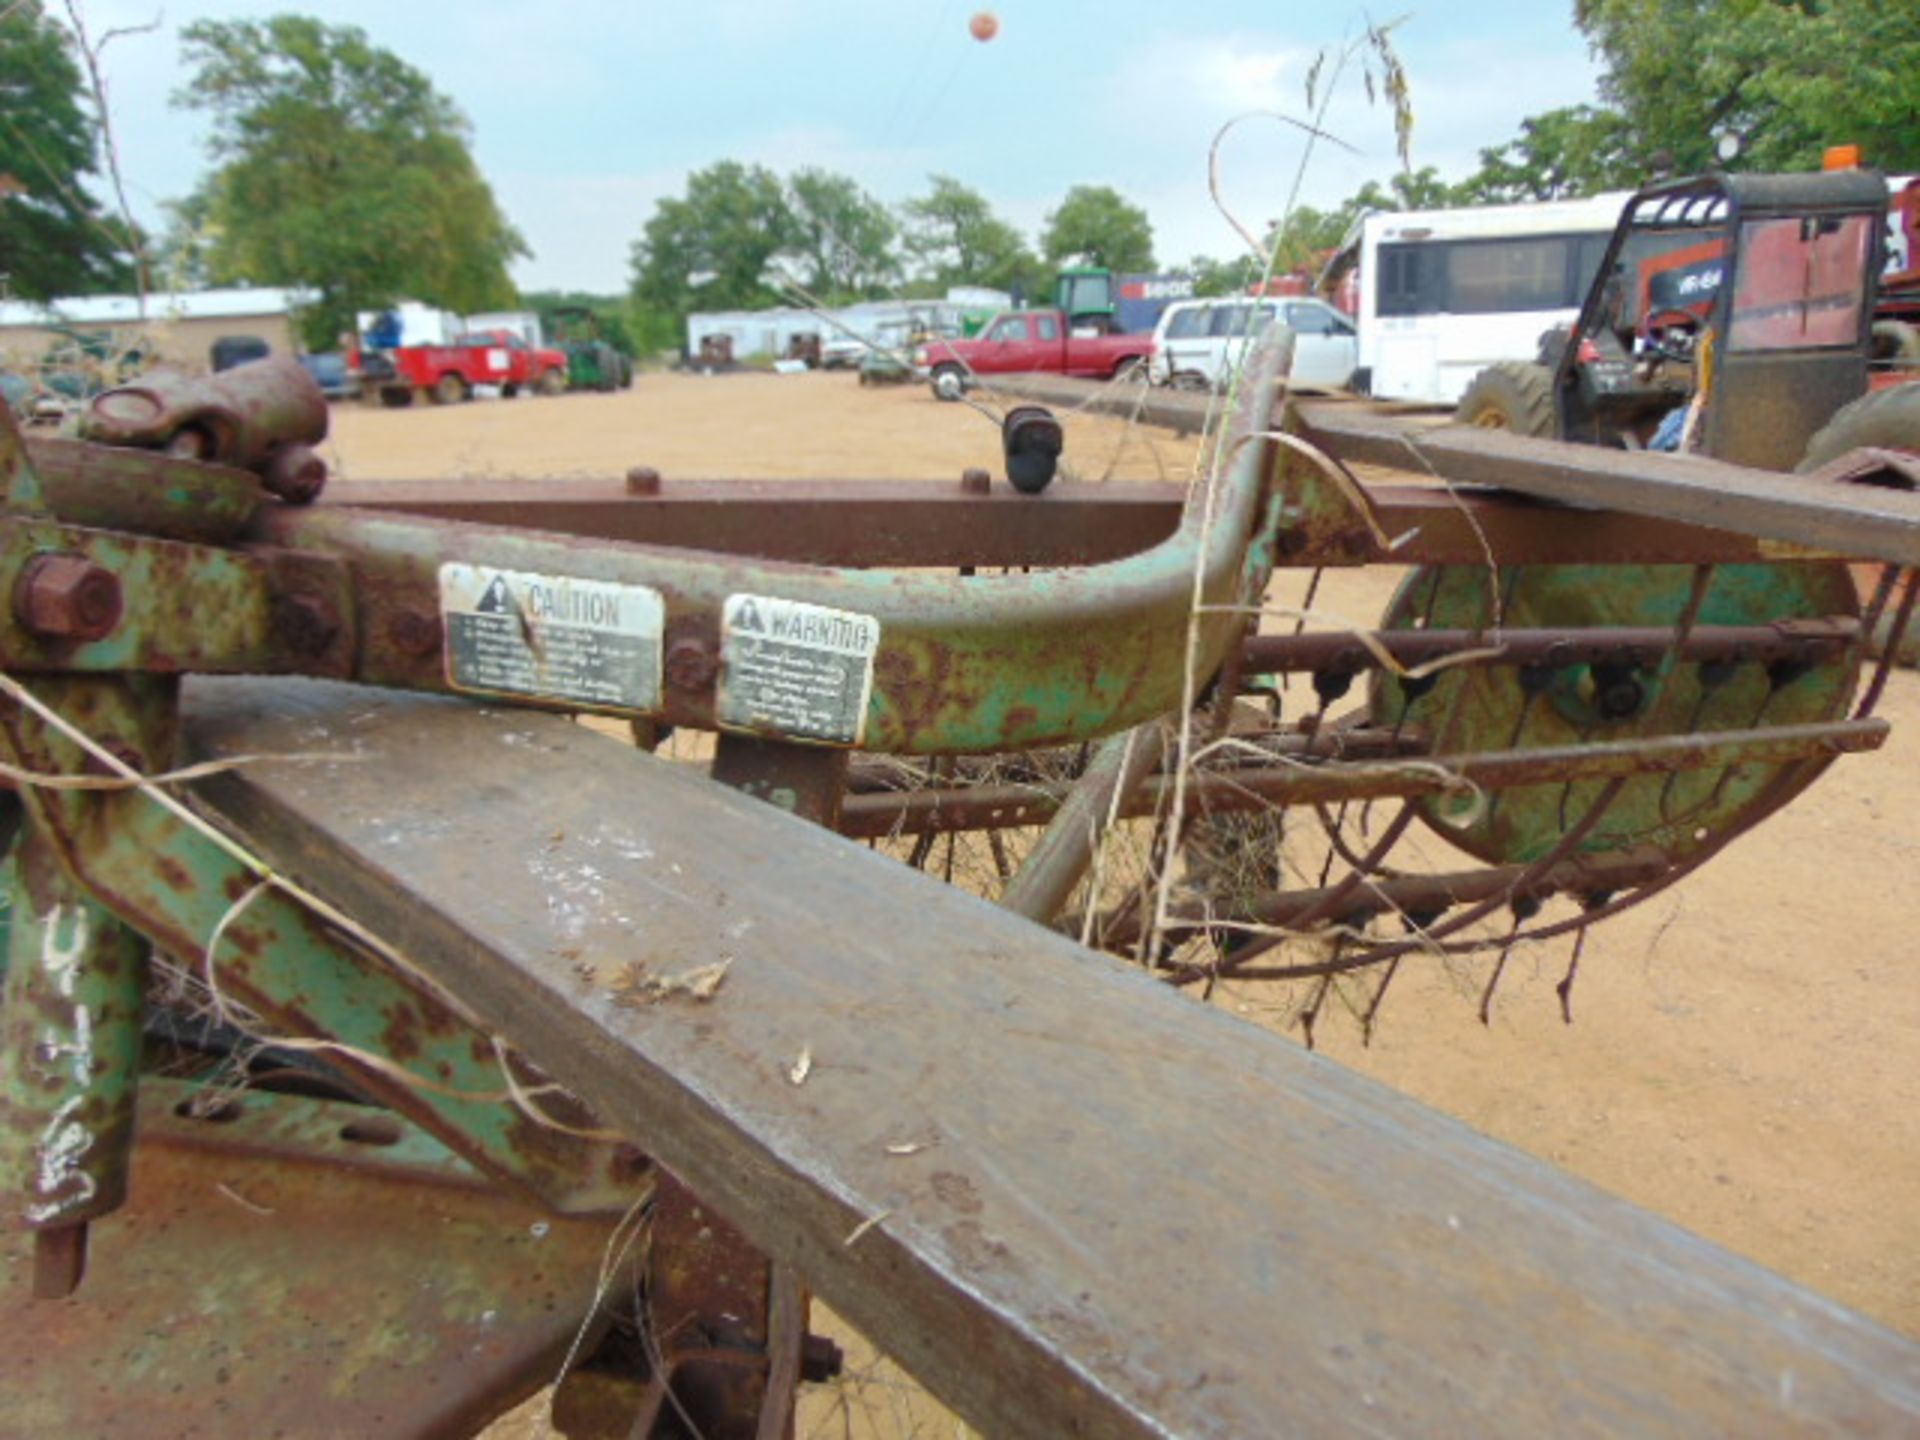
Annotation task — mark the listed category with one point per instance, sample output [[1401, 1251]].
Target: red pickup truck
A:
[[448, 373], [1027, 340]]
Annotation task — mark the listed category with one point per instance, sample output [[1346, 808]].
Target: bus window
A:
[[1489, 276], [1409, 280], [1801, 282]]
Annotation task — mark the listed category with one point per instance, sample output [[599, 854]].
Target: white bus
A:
[[1446, 293]]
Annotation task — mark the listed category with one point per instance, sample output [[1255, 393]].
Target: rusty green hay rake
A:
[[413, 1042]]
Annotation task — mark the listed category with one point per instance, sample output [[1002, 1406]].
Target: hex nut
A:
[[67, 597]]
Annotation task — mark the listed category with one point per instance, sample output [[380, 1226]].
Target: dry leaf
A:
[[801, 1067], [862, 1228], [636, 986]]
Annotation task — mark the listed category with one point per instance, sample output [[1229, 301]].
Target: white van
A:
[[1199, 343]]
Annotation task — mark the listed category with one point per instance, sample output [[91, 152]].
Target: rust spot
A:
[[402, 1035], [957, 1191], [175, 875], [973, 1248], [1021, 721]]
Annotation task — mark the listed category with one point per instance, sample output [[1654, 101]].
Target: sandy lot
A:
[[1746, 1052]]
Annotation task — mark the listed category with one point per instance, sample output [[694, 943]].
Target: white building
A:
[[178, 328]]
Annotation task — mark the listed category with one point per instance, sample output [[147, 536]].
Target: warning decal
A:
[[794, 669], [552, 636]]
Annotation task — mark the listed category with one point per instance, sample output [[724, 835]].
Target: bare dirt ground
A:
[[1745, 1057]]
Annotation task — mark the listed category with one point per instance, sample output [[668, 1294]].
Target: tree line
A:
[[741, 237], [339, 168]]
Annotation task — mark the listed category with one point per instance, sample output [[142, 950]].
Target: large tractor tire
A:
[[1885, 420], [1895, 342], [1512, 395]]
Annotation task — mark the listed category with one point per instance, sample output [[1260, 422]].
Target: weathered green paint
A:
[[70, 1016], [1486, 708], [291, 969]]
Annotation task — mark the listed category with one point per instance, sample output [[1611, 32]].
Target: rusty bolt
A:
[[308, 623], [691, 664], [976, 482], [67, 597], [296, 474], [821, 1359], [643, 480], [414, 632]]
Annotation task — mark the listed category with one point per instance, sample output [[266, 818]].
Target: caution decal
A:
[[552, 637]]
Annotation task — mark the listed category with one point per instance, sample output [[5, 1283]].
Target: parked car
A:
[[332, 374], [1198, 344], [1024, 341], [885, 361], [840, 351]]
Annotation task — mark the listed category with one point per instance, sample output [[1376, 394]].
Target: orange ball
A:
[[984, 25]]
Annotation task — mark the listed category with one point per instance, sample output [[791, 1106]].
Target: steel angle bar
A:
[[859, 523], [1859, 521], [867, 523], [1068, 1199]]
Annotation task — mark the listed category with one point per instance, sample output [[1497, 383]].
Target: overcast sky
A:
[[585, 112]]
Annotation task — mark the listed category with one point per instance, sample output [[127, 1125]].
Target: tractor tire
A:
[[396, 397], [450, 390], [1512, 396], [949, 382], [551, 382], [1885, 420], [1895, 343]]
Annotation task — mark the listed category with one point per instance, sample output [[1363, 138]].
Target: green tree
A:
[[842, 238], [711, 249], [1309, 233], [1564, 154], [1221, 277], [1095, 225], [339, 168], [54, 240], [957, 239], [1791, 76]]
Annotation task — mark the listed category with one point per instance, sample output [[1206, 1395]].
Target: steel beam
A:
[[929, 523], [1867, 522], [1069, 1199]]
